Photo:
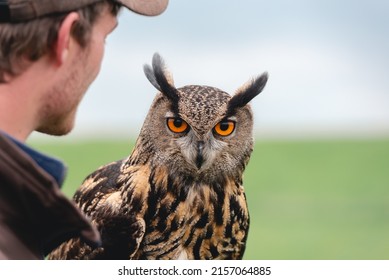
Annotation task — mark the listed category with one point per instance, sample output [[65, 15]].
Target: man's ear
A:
[[64, 37]]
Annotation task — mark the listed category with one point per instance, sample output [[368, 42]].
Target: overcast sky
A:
[[328, 63]]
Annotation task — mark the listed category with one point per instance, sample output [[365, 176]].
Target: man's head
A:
[[51, 51], [28, 28]]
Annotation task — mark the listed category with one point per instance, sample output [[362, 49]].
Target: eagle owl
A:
[[179, 195]]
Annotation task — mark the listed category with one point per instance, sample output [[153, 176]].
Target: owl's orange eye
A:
[[224, 128], [177, 125]]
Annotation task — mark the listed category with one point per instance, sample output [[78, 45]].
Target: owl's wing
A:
[[100, 199]]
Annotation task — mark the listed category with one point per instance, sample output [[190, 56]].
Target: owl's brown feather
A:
[[162, 202], [150, 216]]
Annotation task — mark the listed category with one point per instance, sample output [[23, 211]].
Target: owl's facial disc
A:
[[200, 157], [200, 151], [200, 148]]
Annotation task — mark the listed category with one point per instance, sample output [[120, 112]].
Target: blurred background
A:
[[318, 181]]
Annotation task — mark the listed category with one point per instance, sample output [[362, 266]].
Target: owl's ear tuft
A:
[[246, 93], [162, 80]]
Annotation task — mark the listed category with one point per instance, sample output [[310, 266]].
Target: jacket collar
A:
[[51, 165], [38, 206]]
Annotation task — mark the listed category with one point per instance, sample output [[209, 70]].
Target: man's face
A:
[[61, 103]]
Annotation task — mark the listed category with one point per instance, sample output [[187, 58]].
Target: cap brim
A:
[[145, 7]]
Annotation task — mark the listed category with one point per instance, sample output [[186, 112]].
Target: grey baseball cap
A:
[[22, 10]]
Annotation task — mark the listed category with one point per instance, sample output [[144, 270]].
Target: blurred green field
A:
[[307, 199]]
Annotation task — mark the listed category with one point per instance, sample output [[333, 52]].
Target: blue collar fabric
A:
[[51, 165]]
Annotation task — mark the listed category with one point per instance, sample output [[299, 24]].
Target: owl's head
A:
[[198, 131]]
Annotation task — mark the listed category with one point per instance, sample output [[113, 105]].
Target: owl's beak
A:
[[199, 157]]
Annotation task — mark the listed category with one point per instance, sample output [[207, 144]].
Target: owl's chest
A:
[[204, 225]]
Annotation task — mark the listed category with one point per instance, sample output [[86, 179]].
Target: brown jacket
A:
[[35, 217]]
